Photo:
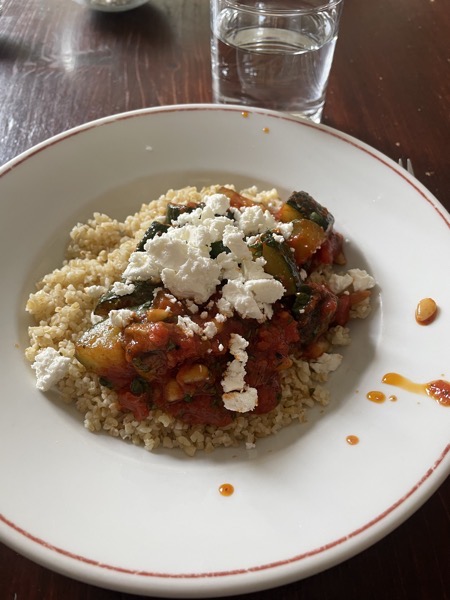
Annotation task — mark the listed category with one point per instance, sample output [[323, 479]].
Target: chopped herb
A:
[[138, 386], [105, 383]]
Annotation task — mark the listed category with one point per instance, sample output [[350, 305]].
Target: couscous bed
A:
[[98, 254]]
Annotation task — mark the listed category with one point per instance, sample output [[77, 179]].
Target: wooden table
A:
[[62, 65]]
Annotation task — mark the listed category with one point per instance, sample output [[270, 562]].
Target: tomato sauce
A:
[[162, 352], [179, 370], [438, 389]]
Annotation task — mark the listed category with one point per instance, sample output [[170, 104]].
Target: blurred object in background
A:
[[111, 5]]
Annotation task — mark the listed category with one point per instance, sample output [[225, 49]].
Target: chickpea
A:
[[192, 373], [173, 391]]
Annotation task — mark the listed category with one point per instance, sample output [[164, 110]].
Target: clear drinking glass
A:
[[274, 54]]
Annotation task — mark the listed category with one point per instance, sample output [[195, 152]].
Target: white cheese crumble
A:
[[122, 289], [95, 291], [238, 396], [358, 278], [50, 368], [339, 283], [96, 318], [190, 327], [121, 318], [180, 259], [361, 279]]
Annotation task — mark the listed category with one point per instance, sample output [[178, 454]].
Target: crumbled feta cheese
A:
[[96, 318], [181, 259], [189, 326], [361, 279], [121, 318], [238, 396], [234, 375], [95, 291], [209, 330], [218, 203], [339, 283], [285, 229], [122, 289], [278, 238], [237, 347], [254, 219], [242, 401], [234, 240], [252, 299], [192, 307], [50, 368], [196, 278]]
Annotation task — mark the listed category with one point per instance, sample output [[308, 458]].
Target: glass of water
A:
[[274, 54]]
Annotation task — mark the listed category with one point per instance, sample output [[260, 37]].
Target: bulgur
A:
[[97, 255]]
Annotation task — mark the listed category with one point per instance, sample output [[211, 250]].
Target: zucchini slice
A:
[[301, 205], [100, 350], [279, 261], [142, 294]]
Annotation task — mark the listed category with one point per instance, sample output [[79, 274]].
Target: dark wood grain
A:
[[62, 65]]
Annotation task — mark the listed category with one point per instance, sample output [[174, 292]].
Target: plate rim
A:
[[429, 482]]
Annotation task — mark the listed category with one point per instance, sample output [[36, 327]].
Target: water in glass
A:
[[281, 67]]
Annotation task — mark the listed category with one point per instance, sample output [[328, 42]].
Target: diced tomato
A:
[[345, 303], [330, 251], [267, 397], [236, 199], [342, 313]]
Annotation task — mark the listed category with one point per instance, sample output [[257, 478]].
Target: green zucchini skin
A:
[[141, 295], [300, 205], [314, 308], [279, 261], [156, 228]]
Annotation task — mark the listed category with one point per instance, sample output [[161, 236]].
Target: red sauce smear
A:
[[226, 489], [438, 389], [352, 440]]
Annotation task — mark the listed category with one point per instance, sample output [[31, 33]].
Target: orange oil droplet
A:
[[244, 113], [226, 489], [404, 383], [375, 396], [266, 129], [352, 440], [426, 311], [393, 398]]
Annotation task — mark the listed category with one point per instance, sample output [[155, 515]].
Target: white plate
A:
[[108, 513]]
